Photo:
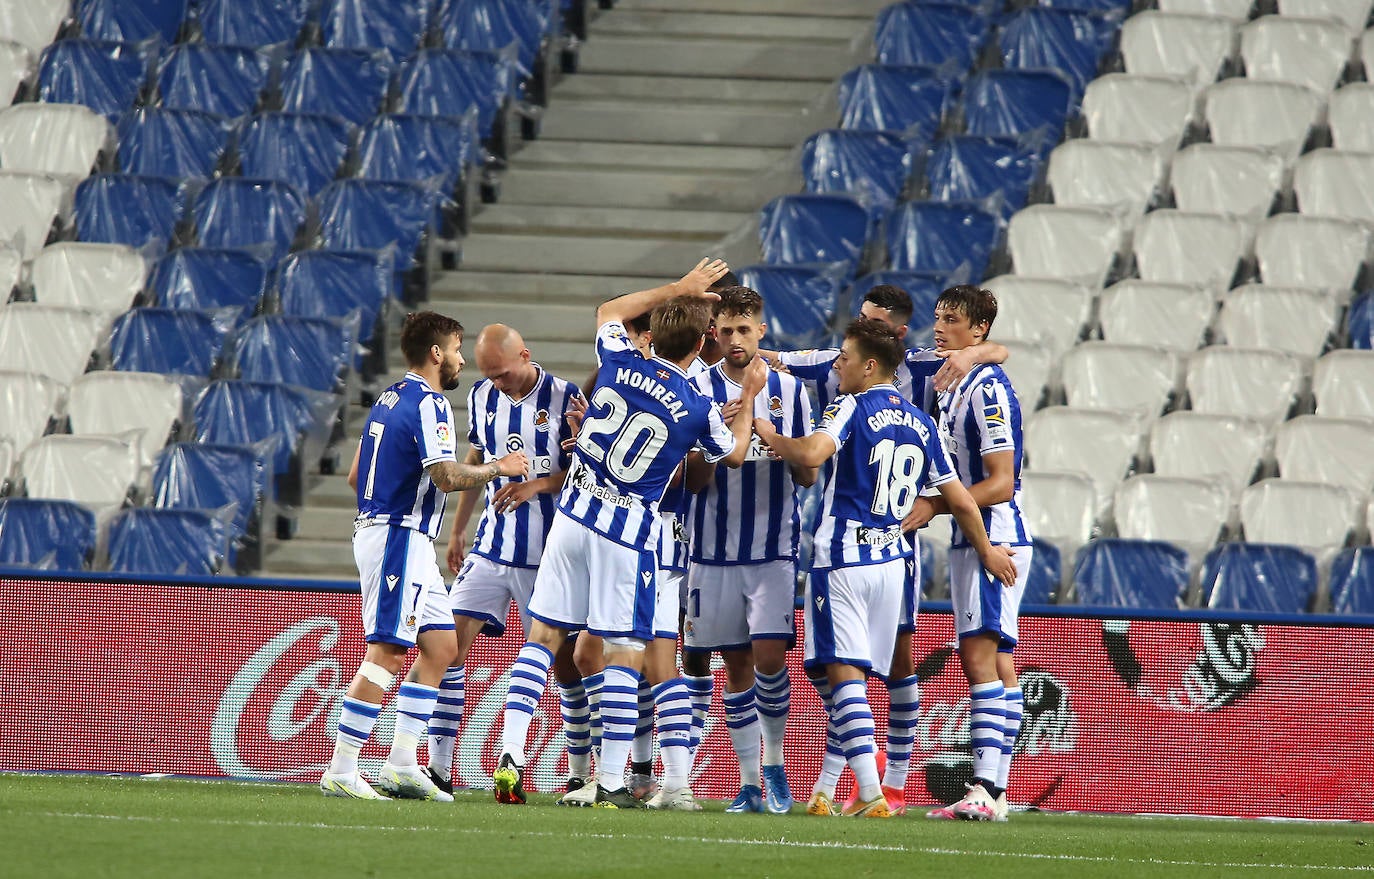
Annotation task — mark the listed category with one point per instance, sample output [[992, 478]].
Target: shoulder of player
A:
[[988, 376]]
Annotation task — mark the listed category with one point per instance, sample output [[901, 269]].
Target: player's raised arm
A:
[[453, 476], [467, 502], [808, 451], [755, 377], [694, 283]]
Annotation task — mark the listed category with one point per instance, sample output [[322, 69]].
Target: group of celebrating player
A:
[[665, 501]]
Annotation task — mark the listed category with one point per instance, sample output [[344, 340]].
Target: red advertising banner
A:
[[1151, 716]]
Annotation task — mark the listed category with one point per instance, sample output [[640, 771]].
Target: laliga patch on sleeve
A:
[[443, 437], [995, 421], [830, 413]]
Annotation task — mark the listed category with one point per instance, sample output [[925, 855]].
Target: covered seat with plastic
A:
[[872, 166], [1295, 320], [34, 204], [1074, 243], [813, 228], [1101, 443], [28, 403], [1335, 183], [1314, 515], [1343, 384], [1347, 114], [801, 301], [100, 277], [372, 214], [1014, 102], [167, 341], [970, 167], [224, 80], [941, 236], [108, 77], [50, 535], [1168, 43], [209, 279], [176, 144], [310, 352], [305, 150], [1352, 581], [53, 340], [131, 21], [59, 139], [112, 402], [1144, 574], [1102, 174], [1174, 316], [1181, 247], [154, 540], [1262, 577], [1309, 51], [1198, 445], [1029, 366], [1189, 512], [251, 22], [127, 209], [1296, 250], [397, 28], [1138, 108], [908, 101], [1316, 448], [1260, 113], [1238, 180], [348, 84], [1051, 310], [33, 23], [238, 212], [1105, 375], [451, 82], [16, 69], [203, 476], [232, 412], [1258, 383], [96, 471], [1059, 505], [1070, 41], [928, 33]]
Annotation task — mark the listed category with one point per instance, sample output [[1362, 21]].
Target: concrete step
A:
[[623, 120], [789, 26], [735, 191], [539, 325], [317, 559], [582, 254], [533, 287], [326, 522], [551, 154], [811, 60], [714, 90], [601, 221], [826, 8]]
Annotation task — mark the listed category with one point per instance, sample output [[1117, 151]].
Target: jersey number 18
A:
[[899, 468]]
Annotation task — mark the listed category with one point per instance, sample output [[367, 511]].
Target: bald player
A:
[[517, 406]]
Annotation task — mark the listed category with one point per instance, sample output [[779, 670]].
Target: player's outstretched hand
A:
[[514, 464], [730, 409], [766, 431], [577, 410], [957, 365], [457, 549], [999, 564], [706, 273], [921, 513], [511, 495], [755, 377]]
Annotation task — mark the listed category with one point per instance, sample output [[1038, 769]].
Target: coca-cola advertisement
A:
[[1178, 716]]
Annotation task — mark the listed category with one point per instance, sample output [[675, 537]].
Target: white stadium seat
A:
[[16, 66], [1050, 310], [1292, 319], [1101, 443], [28, 401], [48, 339], [11, 268], [1189, 512], [1352, 13], [1238, 180], [1202, 446], [1076, 244], [32, 202], [7, 457], [1059, 505], [63, 139], [1091, 173], [1165, 43], [1367, 50], [1348, 114], [1343, 384], [1247, 112], [32, 23], [1029, 366], [111, 402], [1312, 515], [1231, 10], [1294, 250], [91, 470], [101, 277], [1181, 247], [1175, 316], [1104, 375], [1336, 183], [1135, 108], [1248, 382], [1331, 450], [1308, 51]]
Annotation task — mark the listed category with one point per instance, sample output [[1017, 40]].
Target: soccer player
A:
[[885, 452], [403, 467], [741, 585], [600, 562], [517, 406], [980, 421]]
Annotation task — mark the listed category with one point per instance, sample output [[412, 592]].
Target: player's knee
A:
[[696, 663]]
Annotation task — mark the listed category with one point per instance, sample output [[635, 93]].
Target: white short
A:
[[590, 582], [730, 606], [484, 590], [852, 615], [670, 585], [403, 592], [982, 604]]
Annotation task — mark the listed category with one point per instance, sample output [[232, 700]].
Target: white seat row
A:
[[32, 23]]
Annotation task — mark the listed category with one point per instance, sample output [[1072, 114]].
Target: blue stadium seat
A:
[[131, 21], [251, 22], [154, 540], [171, 143], [127, 209], [224, 80], [202, 476], [800, 301], [1112, 572], [399, 28], [167, 341], [1046, 573], [341, 284], [106, 76], [310, 352], [236, 212], [1115, 8], [1073, 43], [451, 82], [424, 149], [872, 166], [1362, 322], [348, 84], [1017, 102], [201, 278], [939, 236], [304, 150], [972, 167], [492, 25], [49, 535], [1352, 581], [372, 214], [929, 33], [829, 228], [923, 287], [1265, 577], [910, 101]]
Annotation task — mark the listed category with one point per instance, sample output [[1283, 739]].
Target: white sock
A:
[[356, 720], [773, 694], [854, 729], [904, 710], [986, 721], [1012, 701], [528, 678], [674, 731], [577, 728], [619, 713], [742, 719], [444, 722]]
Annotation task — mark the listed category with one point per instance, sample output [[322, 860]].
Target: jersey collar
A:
[[670, 364], [419, 378], [538, 380]]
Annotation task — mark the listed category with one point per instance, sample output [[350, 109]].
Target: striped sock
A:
[[619, 714], [742, 719], [700, 689], [528, 678], [444, 722], [986, 721], [593, 684], [642, 751], [674, 731], [774, 695], [854, 730], [356, 719], [904, 709], [577, 728], [1013, 703], [833, 762], [414, 705]]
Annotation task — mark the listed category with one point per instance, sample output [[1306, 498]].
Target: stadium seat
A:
[[371, 214], [1091, 173], [28, 402], [7, 457], [1017, 102], [250, 22], [103, 278], [907, 101], [306, 151], [348, 84], [309, 352], [929, 34], [16, 68], [1287, 319], [34, 202], [871, 166], [1348, 111], [1197, 445], [1312, 515], [418, 149], [812, 228], [336, 284], [1029, 367], [96, 471], [51, 340], [1275, 115], [104, 76], [1263, 577], [1237, 180], [60, 139], [200, 476], [1059, 506], [923, 287], [1187, 512], [1104, 375], [112, 403], [940, 236], [1046, 573], [172, 143], [801, 302], [1308, 51], [141, 212], [1174, 316], [1138, 108], [167, 341], [451, 82], [131, 21], [1070, 41], [1305, 251], [223, 80], [1076, 244], [1360, 322], [1179, 247], [33, 23], [1315, 448], [11, 267], [1254, 383], [1099, 442], [1145, 574], [399, 28], [1343, 383], [1234, 11], [1352, 581], [207, 279], [1166, 43], [969, 167], [50, 535], [1048, 310], [151, 540], [494, 25], [236, 212], [1354, 14], [1335, 183]]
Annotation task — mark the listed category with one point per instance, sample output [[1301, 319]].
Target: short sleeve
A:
[[837, 421], [716, 440], [613, 339], [436, 439], [810, 366], [939, 469], [990, 407]]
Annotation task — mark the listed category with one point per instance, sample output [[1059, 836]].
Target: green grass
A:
[[84, 826]]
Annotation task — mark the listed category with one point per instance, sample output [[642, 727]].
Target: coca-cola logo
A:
[[1219, 672]]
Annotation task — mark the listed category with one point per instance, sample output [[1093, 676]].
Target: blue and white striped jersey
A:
[[889, 451], [534, 424], [409, 428], [642, 419], [913, 379], [977, 418], [749, 515], [674, 541]]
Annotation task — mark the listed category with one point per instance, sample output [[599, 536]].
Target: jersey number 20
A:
[[637, 438], [899, 469]]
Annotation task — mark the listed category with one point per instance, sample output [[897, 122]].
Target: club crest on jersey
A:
[[515, 443], [410, 621], [775, 406], [541, 420]]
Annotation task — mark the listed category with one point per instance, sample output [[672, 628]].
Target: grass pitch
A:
[[87, 826]]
